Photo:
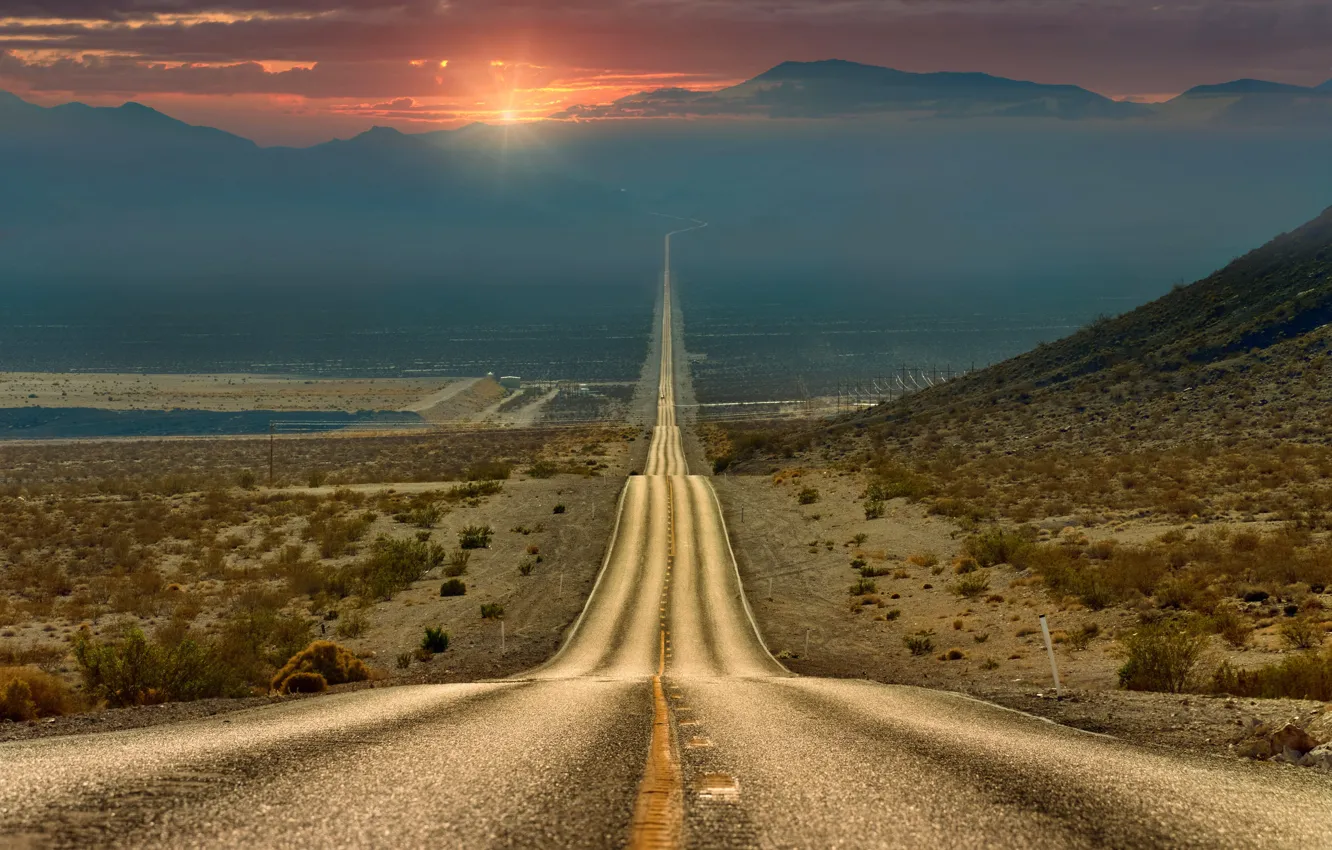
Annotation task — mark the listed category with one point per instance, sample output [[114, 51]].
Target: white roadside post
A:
[[1049, 650], [502, 638]]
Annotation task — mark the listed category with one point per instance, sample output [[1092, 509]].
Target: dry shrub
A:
[[136, 671], [997, 546], [27, 693], [920, 643], [1234, 628], [1307, 675], [336, 664], [304, 682], [1301, 633], [1161, 657], [971, 585]]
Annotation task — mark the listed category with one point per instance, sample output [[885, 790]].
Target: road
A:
[[661, 722]]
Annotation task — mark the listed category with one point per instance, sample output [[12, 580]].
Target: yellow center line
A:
[[659, 809]]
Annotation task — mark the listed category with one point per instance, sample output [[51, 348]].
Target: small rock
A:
[[1255, 728], [1292, 737], [1254, 748], [1319, 757], [1320, 728]]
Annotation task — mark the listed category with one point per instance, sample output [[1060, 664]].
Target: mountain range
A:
[[810, 90], [837, 88], [991, 191]]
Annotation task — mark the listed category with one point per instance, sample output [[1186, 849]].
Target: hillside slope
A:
[[1240, 354]]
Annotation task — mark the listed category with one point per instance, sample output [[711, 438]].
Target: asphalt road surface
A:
[[662, 721]]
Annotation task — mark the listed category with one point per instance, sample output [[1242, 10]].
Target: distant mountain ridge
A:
[[1249, 102], [129, 191], [944, 195], [1247, 87], [836, 88], [829, 88], [130, 123]]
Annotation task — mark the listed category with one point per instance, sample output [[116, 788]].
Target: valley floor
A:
[[795, 561]]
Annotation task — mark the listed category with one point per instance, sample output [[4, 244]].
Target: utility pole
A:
[[270, 453]]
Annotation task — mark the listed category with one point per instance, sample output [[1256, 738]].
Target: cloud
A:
[[588, 51], [397, 104], [97, 73]]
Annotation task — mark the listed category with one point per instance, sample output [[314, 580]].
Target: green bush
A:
[[423, 516], [921, 643], [1161, 657], [435, 640], [136, 671], [1233, 627], [543, 469], [475, 537], [492, 611], [453, 587], [808, 496], [393, 565], [863, 587], [353, 625], [336, 664], [893, 480], [1305, 675], [558, 509], [997, 546], [873, 508], [473, 490], [457, 562], [526, 565], [333, 535], [959, 509]]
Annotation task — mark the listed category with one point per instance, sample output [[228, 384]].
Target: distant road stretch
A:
[[663, 721]]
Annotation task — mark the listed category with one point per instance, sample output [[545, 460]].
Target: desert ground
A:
[[803, 564], [221, 392], [200, 549]]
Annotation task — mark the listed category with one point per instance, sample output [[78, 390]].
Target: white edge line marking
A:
[[610, 550], [726, 534]]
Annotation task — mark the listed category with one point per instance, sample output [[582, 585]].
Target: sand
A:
[[220, 392]]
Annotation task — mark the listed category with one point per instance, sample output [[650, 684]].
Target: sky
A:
[[303, 71]]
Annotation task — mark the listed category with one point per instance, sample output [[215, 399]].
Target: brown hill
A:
[[1241, 354], [1211, 402]]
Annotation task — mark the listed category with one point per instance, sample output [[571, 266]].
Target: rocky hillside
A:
[[1240, 354]]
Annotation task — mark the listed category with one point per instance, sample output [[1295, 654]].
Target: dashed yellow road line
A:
[[659, 809]]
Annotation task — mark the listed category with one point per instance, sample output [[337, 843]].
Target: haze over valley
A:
[[623, 425]]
